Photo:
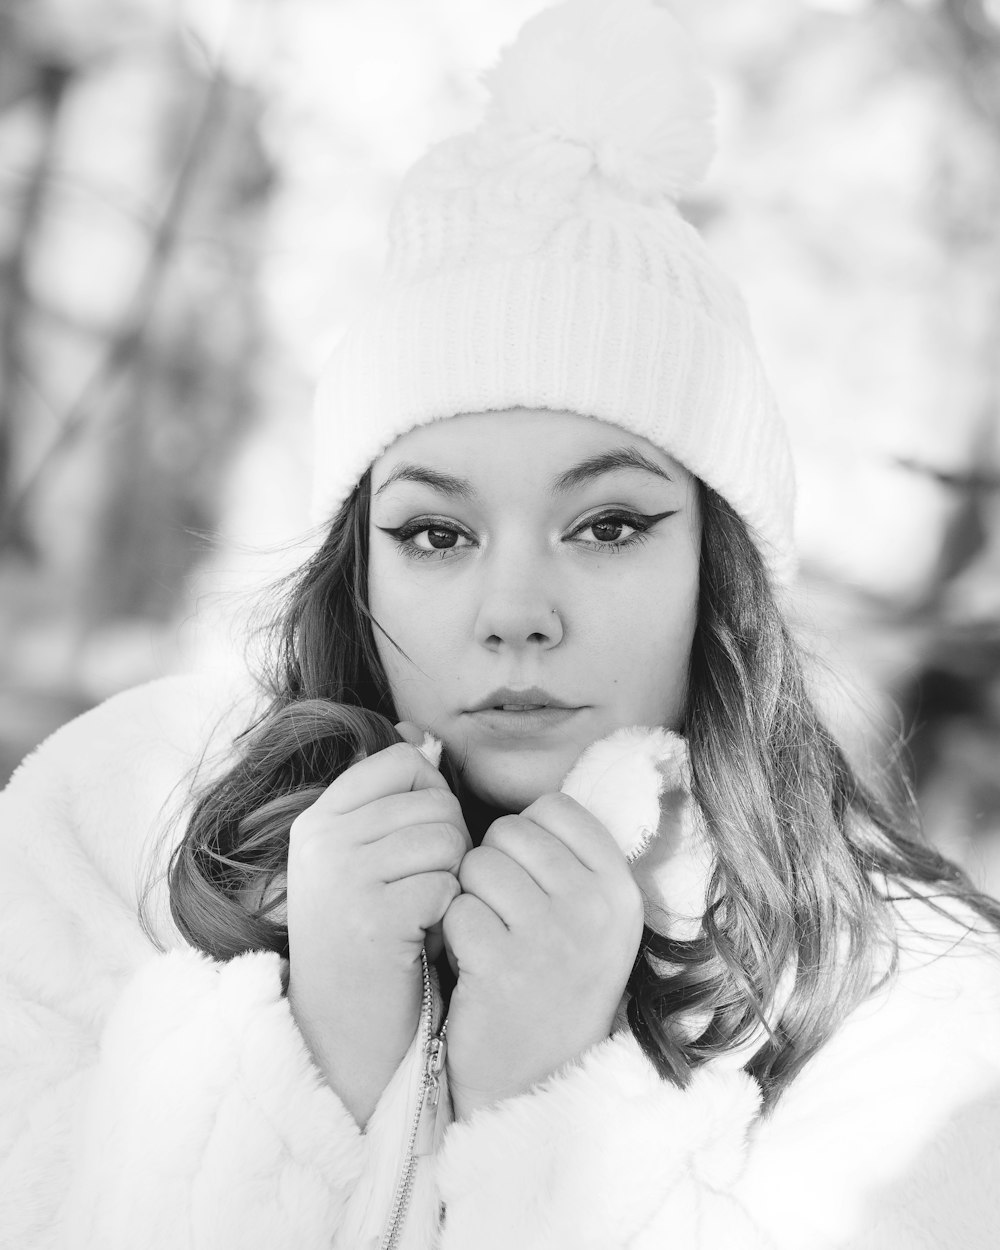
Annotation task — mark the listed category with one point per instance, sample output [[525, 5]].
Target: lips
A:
[[529, 699], [510, 716]]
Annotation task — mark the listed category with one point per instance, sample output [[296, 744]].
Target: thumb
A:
[[428, 746]]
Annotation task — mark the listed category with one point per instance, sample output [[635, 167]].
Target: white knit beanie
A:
[[541, 261]]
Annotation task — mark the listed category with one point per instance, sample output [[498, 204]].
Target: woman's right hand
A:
[[372, 868]]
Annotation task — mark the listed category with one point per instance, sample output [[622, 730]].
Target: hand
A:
[[372, 868], [543, 939]]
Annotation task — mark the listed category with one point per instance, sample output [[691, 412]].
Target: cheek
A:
[[641, 646], [414, 633], [669, 668]]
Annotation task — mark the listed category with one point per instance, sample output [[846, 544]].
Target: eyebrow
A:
[[577, 475], [443, 482], [608, 462]]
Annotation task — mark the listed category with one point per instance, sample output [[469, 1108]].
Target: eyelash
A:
[[638, 521]]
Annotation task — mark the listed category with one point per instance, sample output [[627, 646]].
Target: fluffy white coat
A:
[[156, 1100]]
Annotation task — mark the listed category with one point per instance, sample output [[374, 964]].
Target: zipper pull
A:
[[434, 1055], [433, 1067]]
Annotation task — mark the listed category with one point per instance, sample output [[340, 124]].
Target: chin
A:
[[514, 781]]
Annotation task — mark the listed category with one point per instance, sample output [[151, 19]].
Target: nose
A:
[[518, 606]]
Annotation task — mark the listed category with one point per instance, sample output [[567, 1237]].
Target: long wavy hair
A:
[[799, 926]]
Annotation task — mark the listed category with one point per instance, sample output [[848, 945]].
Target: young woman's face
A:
[[538, 572]]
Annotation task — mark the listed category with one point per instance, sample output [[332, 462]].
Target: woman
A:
[[558, 498]]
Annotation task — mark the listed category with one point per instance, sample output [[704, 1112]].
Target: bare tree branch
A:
[[53, 81], [127, 342]]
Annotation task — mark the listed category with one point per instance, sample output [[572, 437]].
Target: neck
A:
[[478, 815]]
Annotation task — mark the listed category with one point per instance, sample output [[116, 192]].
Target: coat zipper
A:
[[430, 1090]]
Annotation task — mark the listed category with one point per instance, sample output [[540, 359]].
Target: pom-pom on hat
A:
[[541, 261]]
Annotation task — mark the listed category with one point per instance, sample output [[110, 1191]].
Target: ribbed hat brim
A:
[[533, 333]]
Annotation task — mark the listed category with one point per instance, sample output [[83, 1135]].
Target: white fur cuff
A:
[[207, 1123], [594, 1156]]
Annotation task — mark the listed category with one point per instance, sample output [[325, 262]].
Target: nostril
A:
[[508, 622]]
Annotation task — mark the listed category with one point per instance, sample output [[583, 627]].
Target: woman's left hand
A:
[[543, 939]]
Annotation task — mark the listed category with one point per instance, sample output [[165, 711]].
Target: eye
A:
[[428, 538], [616, 528], [438, 538], [609, 529]]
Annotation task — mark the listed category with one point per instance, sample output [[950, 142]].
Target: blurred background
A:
[[193, 196]]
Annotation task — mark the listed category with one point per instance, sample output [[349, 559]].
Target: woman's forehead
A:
[[485, 441]]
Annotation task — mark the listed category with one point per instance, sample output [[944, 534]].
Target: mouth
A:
[[531, 699], [528, 713]]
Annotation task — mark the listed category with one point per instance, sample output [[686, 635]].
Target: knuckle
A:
[[553, 804], [468, 872], [435, 892], [444, 842], [305, 849], [503, 831], [450, 889], [436, 839], [400, 759], [458, 840], [461, 921], [424, 805], [298, 831], [404, 751], [455, 916], [305, 824], [439, 804], [450, 806]]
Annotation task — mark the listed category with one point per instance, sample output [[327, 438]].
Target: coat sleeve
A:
[[148, 1097], [887, 1140], [203, 1121]]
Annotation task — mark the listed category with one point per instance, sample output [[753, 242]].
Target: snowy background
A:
[[193, 196]]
